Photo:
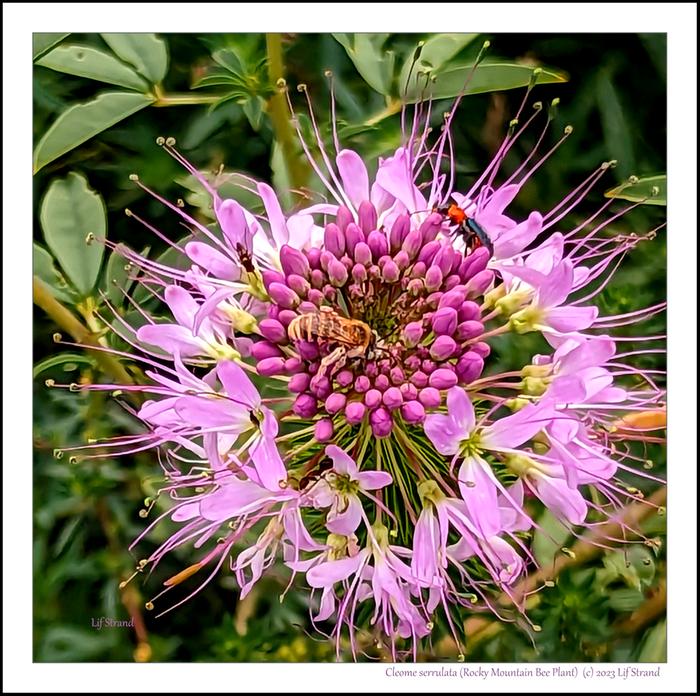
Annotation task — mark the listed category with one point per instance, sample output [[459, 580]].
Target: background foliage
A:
[[100, 103]]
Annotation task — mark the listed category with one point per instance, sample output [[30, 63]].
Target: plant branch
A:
[[67, 321], [279, 115]]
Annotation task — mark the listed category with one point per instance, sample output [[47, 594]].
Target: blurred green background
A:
[[216, 95]]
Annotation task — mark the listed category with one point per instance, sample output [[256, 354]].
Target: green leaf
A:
[[375, 65], [146, 52], [253, 109], [43, 43], [44, 268], [436, 51], [94, 64], [616, 132], [60, 359], [83, 121], [642, 190], [488, 77], [654, 646], [69, 212], [625, 599], [69, 644], [549, 539], [116, 278]]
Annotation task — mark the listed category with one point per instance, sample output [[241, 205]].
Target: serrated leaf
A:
[[42, 43], [45, 269], [488, 77], [436, 51], [146, 52], [642, 191], [83, 121], [85, 61], [69, 212], [549, 539]]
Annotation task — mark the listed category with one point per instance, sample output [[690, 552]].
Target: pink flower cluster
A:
[[319, 398]]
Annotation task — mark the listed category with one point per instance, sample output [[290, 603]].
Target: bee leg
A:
[[330, 359]]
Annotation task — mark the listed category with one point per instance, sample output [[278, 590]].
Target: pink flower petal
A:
[[354, 175]]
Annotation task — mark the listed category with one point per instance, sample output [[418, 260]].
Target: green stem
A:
[[67, 321], [163, 99], [297, 171]]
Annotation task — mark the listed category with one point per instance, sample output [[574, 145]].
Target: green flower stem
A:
[[163, 99], [68, 322], [297, 171]]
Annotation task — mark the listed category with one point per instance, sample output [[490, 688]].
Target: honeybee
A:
[[353, 337]]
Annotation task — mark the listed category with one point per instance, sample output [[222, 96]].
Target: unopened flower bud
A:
[[355, 412], [298, 284], [271, 366], [444, 321], [334, 240], [367, 216], [429, 397], [443, 378], [294, 262], [477, 284], [273, 331], [324, 430], [299, 383], [443, 348], [390, 272], [392, 398], [378, 244], [399, 230], [337, 273], [433, 278], [335, 402], [283, 296], [373, 398]]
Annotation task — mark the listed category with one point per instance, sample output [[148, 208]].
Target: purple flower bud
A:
[[337, 273], [433, 278], [333, 240], [298, 284], [481, 348], [413, 412], [378, 244], [392, 398], [270, 366], [344, 378], [397, 376], [433, 300], [381, 382], [469, 367], [359, 273], [326, 258], [367, 216], [451, 281], [373, 398], [307, 350], [401, 260], [262, 349], [477, 284], [443, 259], [381, 422], [335, 402], [294, 262], [443, 379], [412, 333], [371, 370], [390, 272], [315, 299], [299, 382], [428, 366], [283, 296], [353, 236], [305, 406], [427, 253], [415, 287], [469, 329], [363, 254], [478, 260], [412, 244], [293, 365], [443, 348], [270, 277], [431, 226], [318, 278], [408, 391], [321, 386], [273, 331], [444, 321], [468, 311], [343, 218], [429, 397], [314, 257], [411, 363], [329, 293], [399, 230], [420, 379], [374, 272], [286, 316], [454, 298], [355, 412], [324, 430], [362, 384], [418, 270]]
